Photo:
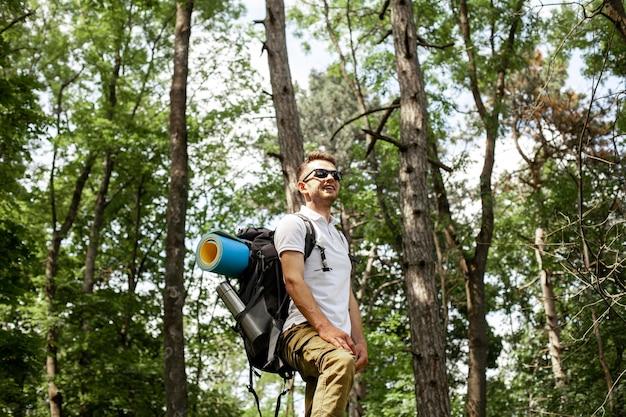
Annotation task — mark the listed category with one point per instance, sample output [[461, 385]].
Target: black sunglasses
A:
[[323, 173]]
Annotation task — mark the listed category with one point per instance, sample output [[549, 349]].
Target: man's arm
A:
[[360, 350], [293, 273]]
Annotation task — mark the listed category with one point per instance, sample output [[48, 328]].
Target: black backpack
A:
[[262, 290]]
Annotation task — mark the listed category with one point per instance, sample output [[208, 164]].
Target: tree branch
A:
[[16, 21], [377, 135], [347, 122], [403, 148]]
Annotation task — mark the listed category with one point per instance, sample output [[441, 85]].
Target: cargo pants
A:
[[327, 370]]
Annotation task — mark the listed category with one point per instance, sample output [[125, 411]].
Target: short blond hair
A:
[[315, 156]]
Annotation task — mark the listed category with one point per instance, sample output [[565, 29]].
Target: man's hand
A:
[[360, 351], [342, 340], [337, 337]]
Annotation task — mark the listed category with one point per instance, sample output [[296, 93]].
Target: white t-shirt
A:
[[331, 289]]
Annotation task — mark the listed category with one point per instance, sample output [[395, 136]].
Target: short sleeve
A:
[[290, 234]]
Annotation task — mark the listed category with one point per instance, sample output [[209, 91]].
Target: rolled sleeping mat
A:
[[222, 253]]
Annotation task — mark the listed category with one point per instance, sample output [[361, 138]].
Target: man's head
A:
[[318, 178], [314, 156]]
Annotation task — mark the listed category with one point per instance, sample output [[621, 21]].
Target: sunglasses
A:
[[323, 173]]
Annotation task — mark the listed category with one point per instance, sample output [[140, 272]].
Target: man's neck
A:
[[322, 211]]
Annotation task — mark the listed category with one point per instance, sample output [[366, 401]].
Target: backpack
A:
[[262, 290]]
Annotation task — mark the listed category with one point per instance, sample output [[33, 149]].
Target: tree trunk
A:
[[477, 340], [55, 397], [98, 220], [52, 367], [605, 368], [615, 11], [287, 119], [90, 270], [101, 197], [86, 408], [475, 267], [477, 334], [429, 364], [174, 294], [549, 306], [552, 326]]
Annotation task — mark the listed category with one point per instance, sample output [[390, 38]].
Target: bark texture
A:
[[429, 364], [287, 119], [614, 10], [174, 294]]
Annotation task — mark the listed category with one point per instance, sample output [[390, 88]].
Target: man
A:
[[322, 336]]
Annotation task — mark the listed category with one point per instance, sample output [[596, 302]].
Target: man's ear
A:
[[303, 189]]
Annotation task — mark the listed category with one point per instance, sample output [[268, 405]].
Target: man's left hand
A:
[[360, 351]]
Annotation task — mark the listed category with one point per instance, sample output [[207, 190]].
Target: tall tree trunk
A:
[[52, 366], [174, 294], [429, 364], [55, 397], [287, 119], [98, 220], [474, 268], [552, 326], [86, 408], [549, 306], [101, 197]]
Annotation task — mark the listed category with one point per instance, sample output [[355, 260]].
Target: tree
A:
[[429, 365], [55, 397], [174, 293], [21, 120], [283, 97], [485, 78], [114, 116], [545, 191]]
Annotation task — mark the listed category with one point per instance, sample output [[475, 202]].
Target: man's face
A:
[[319, 189]]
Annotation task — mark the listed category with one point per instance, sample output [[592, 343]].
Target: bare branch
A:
[[377, 135], [347, 122]]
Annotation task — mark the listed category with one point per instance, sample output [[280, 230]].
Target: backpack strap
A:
[[310, 239], [284, 391], [253, 392], [310, 242]]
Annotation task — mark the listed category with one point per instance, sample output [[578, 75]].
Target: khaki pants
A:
[[327, 370]]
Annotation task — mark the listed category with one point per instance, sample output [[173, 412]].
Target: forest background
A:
[[525, 188]]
